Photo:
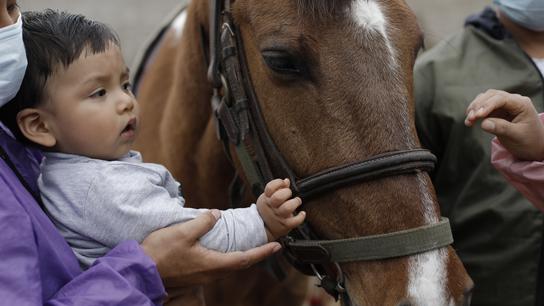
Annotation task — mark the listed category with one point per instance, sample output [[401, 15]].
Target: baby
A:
[[76, 103]]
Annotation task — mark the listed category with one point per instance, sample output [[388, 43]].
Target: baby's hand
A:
[[277, 209], [513, 119]]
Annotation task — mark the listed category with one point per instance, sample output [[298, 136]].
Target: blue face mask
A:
[[12, 60], [527, 13]]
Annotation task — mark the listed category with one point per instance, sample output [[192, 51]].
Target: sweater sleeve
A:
[[126, 204], [526, 176], [238, 229]]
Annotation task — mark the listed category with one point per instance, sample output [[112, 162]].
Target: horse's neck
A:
[[176, 101]]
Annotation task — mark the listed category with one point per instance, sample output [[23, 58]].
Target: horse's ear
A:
[[34, 126]]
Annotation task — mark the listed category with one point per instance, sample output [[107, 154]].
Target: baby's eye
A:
[[98, 94], [127, 86]]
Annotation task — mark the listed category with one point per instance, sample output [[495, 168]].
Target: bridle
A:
[[242, 127]]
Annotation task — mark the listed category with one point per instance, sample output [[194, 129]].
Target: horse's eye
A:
[[283, 62]]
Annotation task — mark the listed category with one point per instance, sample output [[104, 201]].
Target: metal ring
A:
[[339, 277]]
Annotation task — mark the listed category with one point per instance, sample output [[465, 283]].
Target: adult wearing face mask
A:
[[498, 233], [37, 267]]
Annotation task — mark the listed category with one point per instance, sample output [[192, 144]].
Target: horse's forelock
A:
[[322, 8]]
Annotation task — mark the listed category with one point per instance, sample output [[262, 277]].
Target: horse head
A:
[[333, 85]]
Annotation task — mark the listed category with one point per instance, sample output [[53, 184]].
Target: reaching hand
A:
[[182, 261], [513, 119], [277, 209]]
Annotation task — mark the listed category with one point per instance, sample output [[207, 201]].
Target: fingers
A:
[[242, 260], [196, 228], [481, 100], [483, 105], [499, 127], [289, 207], [274, 185], [295, 220], [499, 103], [279, 197]]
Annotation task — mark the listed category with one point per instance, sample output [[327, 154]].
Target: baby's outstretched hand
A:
[[513, 119], [277, 209]]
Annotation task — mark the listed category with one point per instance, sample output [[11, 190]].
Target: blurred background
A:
[[137, 20]]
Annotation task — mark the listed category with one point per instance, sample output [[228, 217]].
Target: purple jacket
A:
[[37, 267]]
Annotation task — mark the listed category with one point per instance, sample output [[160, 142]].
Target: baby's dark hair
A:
[[53, 40]]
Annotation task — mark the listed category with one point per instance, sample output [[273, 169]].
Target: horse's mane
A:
[[322, 8]]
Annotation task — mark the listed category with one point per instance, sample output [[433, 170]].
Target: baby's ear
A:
[[34, 126]]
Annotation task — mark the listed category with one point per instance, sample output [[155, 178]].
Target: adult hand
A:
[[513, 119], [182, 261]]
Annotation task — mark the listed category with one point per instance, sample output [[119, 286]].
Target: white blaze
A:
[[369, 15], [427, 271]]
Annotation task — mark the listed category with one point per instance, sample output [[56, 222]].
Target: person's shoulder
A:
[[129, 171], [70, 167], [480, 31], [63, 162], [450, 47]]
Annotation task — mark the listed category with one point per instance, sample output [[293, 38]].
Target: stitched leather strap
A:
[[384, 165]]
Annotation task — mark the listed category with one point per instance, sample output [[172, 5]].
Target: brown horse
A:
[[334, 83]]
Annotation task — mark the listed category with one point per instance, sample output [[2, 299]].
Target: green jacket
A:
[[498, 233]]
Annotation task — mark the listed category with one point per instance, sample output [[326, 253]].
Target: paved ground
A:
[[135, 20]]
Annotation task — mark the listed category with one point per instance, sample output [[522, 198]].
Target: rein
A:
[[240, 126]]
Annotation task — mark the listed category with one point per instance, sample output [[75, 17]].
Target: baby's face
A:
[[91, 108]]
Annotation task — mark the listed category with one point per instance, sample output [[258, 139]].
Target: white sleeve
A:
[[238, 229]]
